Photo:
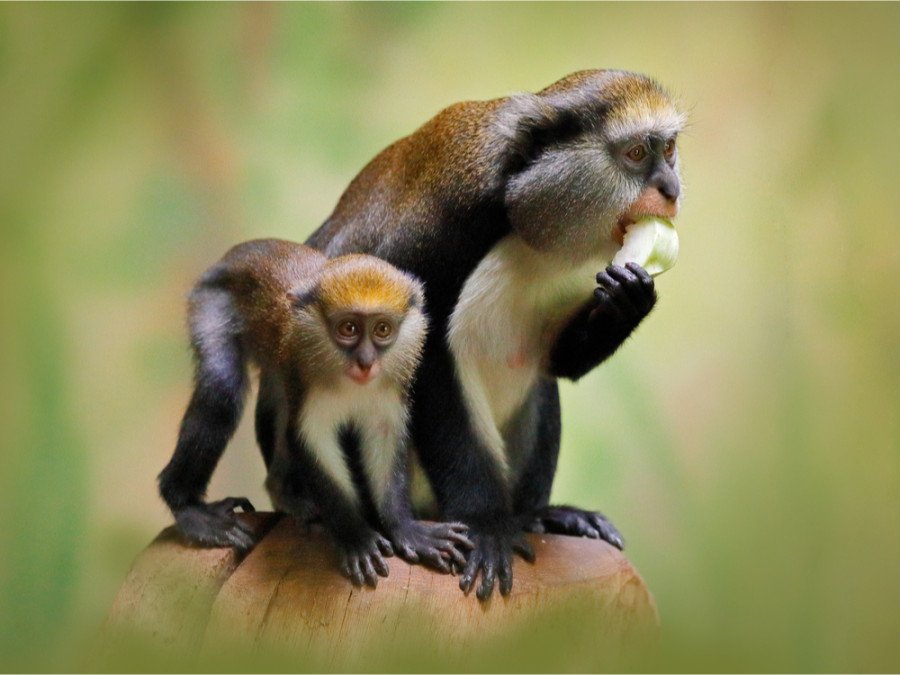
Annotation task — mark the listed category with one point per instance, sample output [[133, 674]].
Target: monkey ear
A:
[[527, 123], [303, 294]]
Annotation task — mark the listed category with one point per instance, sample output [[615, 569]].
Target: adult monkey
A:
[[507, 209]]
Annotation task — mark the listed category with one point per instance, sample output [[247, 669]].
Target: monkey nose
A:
[[669, 186]]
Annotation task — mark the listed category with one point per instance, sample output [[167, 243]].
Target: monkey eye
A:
[[383, 330], [669, 148], [636, 153], [348, 329]]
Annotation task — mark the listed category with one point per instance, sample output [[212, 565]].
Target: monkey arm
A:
[[432, 544], [361, 549], [540, 417], [623, 297], [470, 486]]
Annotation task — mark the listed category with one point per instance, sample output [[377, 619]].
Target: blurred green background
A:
[[746, 440]]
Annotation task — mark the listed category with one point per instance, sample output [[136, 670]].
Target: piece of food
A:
[[652, 243]]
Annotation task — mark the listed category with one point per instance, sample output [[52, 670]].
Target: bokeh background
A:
[[746, 440]]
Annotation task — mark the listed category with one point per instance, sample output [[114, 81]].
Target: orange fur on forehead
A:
[[363, 282], [639, 101], [634, 103]]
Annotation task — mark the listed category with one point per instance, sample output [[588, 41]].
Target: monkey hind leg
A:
[[574, 522], [209, 422]]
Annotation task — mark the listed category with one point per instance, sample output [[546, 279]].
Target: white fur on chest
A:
[[509, 312], [378, 411]]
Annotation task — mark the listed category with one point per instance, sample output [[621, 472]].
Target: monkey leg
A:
[[266, 416], [361, 550], [209, 422]]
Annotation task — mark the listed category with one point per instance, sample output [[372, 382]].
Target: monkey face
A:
[[588, 166], [363, 338]]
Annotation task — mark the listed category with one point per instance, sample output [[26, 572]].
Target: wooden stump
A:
[[284, 606]]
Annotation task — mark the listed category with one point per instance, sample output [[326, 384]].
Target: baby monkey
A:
[[337, 343]]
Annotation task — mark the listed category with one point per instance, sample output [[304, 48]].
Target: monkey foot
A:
[[216, 525], [491, 557], [363, 562], [436, 545], [575, 522]]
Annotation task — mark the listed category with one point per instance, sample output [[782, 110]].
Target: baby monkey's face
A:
[[363, 338]]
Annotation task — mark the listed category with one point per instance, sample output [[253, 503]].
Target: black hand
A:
[[626, 292], [492, 559], [363, 562], [432, 544]]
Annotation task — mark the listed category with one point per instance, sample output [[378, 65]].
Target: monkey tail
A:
[[216, 406]]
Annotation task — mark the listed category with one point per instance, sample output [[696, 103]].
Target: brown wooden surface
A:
[[286, 597]]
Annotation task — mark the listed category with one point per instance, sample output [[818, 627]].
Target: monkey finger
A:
[[610, 294], [606, 281], [434, 559], [240, 539], [505, 575], [629, 283], [368, 570], [488, 575], [456, 538], [470, 572], [618, 293], [456, 556], [524, 549], [407, 552], [384, 546], [381, 566], [640, 294], [350, 569], [642, 274]]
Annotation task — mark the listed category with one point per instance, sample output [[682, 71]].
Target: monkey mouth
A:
[[640, 210], [618, 233], [360, 375]]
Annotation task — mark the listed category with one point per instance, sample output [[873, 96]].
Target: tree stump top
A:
[[286, 605]]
